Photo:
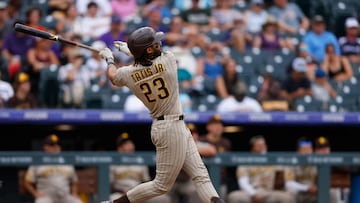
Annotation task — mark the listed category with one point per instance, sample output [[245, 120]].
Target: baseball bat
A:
[[49, 36]]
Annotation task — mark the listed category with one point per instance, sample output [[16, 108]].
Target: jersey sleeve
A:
[[30, 175], [171, 58]]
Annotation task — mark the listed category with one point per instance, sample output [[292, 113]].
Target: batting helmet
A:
[[143, 38]]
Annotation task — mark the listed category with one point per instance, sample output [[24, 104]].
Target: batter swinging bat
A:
[[47, 35]]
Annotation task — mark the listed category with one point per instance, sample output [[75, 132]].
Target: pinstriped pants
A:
[[175, 150]]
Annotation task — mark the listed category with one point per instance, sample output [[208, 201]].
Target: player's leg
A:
[[170, 155], [196, 169]]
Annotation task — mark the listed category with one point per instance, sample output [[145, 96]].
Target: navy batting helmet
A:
[[141, 39]]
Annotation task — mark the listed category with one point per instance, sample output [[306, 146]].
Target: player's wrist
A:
[[110, 61]]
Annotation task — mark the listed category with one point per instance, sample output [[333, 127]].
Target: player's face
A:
[[154, 50]]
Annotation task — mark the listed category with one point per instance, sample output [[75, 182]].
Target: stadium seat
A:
[[207, 103], [49, 96], [94, 96], [308, 104], [216, 35]]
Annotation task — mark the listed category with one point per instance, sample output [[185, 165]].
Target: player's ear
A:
[[149, 50]]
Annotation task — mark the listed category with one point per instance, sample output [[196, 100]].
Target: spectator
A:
[[225, 83], [72, 21], [317, 38], [255, 17], [224, 14], [214, 136], [311, 63], [239, 101], [22, 98], [15, 48], [104, 9], [322, 145], [153, 18], [125, 177], [6, 91], [52, 183], [39, 57], [210, 66], [93, 25], [296, 85], [350, 43], [97, 67], [162, 5], [116, 32], [134, 105], [4, 24], [269, 37], [337, 67], [125, 9], [33, 17], [74, 78], [264, 184], [187, 4], [196, 16], [270, 97], [321, 88], [181, 44], [291, 18]]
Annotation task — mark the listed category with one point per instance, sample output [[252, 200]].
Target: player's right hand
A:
[[107, 55], [123, 47]]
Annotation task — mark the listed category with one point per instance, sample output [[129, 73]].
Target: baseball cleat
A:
[[217, 200]]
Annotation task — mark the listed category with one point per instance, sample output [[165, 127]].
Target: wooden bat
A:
[[47, 35]]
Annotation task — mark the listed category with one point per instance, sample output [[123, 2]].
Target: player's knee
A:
[[160, 189], [201, 179]]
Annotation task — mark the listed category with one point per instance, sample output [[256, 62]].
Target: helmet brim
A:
[[158, 37]]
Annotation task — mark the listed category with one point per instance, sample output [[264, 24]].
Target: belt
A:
[[170, 117]]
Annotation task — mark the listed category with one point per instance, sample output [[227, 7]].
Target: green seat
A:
[[49, 87], [94, 97], [309, 104]]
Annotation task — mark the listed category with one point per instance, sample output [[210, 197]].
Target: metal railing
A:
[[102, 160]]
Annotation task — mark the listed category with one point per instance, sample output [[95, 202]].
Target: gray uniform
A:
[[54, 181], [157, 87]]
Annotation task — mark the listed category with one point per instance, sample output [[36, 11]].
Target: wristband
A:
[[110, 61]]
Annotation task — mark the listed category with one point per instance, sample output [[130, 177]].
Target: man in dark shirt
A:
[[296, 85]]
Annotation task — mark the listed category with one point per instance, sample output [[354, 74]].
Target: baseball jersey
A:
[[123, 178], [52, 178], [150, 84]]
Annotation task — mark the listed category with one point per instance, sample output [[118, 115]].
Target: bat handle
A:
[[79, 44]]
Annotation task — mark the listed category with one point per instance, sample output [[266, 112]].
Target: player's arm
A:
[[108, 56]]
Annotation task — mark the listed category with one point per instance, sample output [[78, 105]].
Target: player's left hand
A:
[[107, 55], [123, 47]]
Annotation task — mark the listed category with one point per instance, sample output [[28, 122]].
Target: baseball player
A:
[[52, 183], [153, 79]]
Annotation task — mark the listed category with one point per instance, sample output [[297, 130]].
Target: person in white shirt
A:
[[6, 91], [238, 101]]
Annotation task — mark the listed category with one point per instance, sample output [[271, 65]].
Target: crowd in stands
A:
[[246, 55]]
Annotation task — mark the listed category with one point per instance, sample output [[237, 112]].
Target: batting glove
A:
[[123, 47], [107, 55]]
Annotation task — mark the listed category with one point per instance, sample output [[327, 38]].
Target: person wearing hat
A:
[[350, 42], [296, 85], [22, 98], [125, 177], [321, 88], [52, 183], [214, 135], [269, 37], [255, 16], [318, 37], [264, 183]]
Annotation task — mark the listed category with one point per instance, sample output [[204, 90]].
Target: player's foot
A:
[[122, 199], [217, 200]]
